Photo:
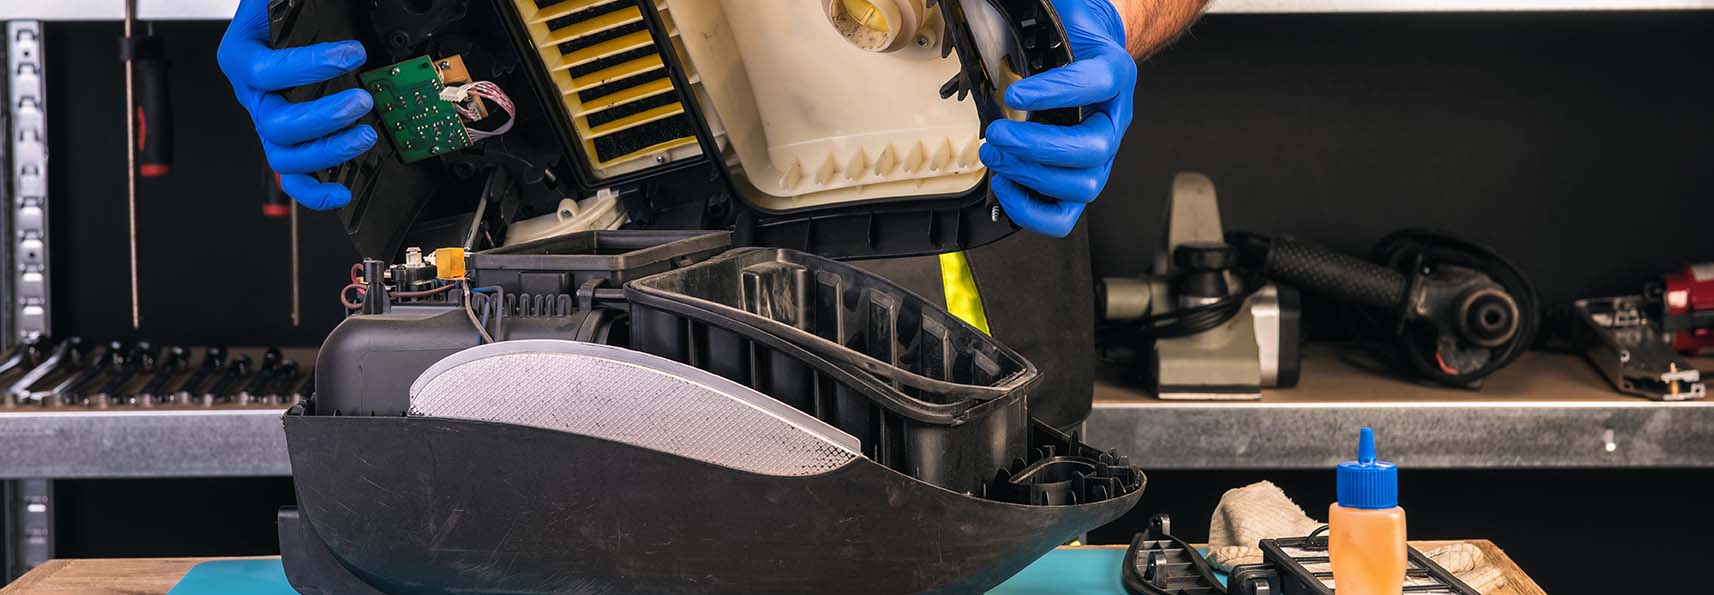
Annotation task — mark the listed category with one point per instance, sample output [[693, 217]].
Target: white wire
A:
[[469, 310], [492, 92]]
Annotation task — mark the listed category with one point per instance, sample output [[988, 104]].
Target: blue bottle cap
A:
[[1368, 483]]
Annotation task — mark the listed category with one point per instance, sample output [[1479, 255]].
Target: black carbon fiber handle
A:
[[1314, 268], [153, 107]]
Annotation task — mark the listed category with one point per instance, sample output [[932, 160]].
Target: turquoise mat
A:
[[235, 577], [1061, 572], [1069, 572]]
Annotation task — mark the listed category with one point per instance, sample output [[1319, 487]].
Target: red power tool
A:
[[1688, 308]]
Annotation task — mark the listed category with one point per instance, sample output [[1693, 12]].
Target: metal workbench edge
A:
[[1158, 435], [164, 443], [1421, 435]]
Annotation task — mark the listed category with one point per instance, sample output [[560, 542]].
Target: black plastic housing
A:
[[367, 364], [545, 290], [409, 505], [926, 393], [957, 491], [564, 264]]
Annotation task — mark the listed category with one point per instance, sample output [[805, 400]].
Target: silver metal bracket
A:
[[27, 94], [27, 503], [29, 523]]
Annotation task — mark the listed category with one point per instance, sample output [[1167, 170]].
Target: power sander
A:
[[1198, 328]]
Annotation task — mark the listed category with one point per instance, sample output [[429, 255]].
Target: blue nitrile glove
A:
[[299, 138], [1068, 164]]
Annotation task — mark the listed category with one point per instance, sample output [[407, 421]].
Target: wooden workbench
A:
[[156, 576]]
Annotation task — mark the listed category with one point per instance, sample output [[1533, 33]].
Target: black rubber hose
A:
[[1345, 278]]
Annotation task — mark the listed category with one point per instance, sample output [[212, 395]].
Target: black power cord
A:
[[1417, 249], [1184, 322]]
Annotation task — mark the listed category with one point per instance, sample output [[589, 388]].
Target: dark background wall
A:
[[1580, 145], [214, 270]]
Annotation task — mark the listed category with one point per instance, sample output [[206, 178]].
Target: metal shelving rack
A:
[[1549, 410], [27, 500]]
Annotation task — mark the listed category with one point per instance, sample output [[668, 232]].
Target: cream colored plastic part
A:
[[815, 120], [595, 213], [881, 25]]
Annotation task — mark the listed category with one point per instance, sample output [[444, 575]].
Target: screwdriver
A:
[[148, 126], [152, 107], [276, 204]]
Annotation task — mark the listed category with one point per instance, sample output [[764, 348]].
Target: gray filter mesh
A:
[[632, 398]]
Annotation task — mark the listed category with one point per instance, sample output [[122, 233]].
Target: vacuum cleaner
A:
[[605, 339]]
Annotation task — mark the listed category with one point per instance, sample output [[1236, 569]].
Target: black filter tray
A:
[[927, 394]]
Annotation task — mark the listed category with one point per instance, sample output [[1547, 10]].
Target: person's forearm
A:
[[1152, 24]]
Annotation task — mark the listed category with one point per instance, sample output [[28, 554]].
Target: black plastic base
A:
[[426, 505], [310, 567]]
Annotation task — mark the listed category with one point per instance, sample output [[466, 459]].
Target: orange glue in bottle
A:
[[1366, 527]]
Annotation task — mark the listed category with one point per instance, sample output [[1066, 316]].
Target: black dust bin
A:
[[927, 394]]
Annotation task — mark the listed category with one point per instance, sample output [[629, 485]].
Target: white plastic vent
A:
[[633, 398]]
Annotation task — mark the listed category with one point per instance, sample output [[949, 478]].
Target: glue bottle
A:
[[1366, 527]]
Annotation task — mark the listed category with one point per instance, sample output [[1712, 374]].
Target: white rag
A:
[[1246, 516]]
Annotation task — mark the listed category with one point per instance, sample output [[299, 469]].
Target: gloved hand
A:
[[1068, 164], [299, 138]]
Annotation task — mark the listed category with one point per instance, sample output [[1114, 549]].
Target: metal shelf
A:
[[131, 443], [96, 10], [1548, 410]]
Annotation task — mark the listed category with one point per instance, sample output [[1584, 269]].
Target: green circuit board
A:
[[407, 96]]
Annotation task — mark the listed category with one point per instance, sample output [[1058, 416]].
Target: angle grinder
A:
[[1443, 308]]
